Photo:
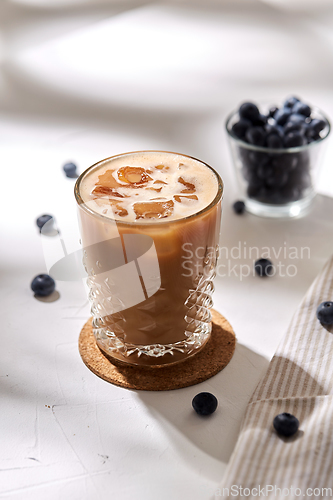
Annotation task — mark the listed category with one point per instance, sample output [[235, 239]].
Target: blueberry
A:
[[273, 196], [310, 131], [255, 190], [286, 424], [304, 161], [43, 219], [325, 313], [255, 136], [292, 126], [254, 181], [282, 115], [267, 195], [260, 121], [204, 403], [300, 176], [239, 207], [278, 179], [294, 140], [70, 170], [274, 129], [316, 126], [291, 101], [263, 267], [302, 109], [43, 285], [264, 171], [258, 158], [290, 193], [274, 141], [272, 111], [314, 138], [296, 118], [239, 128], [288, 161], [249, 111]]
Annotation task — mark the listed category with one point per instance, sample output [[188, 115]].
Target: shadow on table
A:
[[215, 435]]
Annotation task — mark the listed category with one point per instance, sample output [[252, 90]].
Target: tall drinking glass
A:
[[150, 280]]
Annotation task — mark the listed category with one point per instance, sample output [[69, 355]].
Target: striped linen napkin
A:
[[299, 380]]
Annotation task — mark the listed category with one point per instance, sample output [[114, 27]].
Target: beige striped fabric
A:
[[299, 380]]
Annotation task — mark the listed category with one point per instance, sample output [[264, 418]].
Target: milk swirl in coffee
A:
[[149, 186]]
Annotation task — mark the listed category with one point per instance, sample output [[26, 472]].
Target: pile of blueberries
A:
[[277, 177]]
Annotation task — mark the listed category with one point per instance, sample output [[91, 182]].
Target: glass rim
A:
[[82, 204], [263, 149]]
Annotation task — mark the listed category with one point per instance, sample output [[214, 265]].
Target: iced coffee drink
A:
[[150, 224]]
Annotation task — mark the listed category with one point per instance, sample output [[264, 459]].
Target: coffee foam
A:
[[173, 187]]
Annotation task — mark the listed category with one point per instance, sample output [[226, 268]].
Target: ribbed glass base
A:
[[153, 354]]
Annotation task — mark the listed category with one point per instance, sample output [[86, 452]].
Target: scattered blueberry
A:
[[249, 111], [282, 115], [204, 403], [325, 313], [239, 207], [286, 424], [43, 285], [70, 170], [43, 219], [239, 128], [290, 102], [256, 136], [263, 267], [302, 109]]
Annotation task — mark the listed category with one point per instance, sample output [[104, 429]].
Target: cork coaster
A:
[[205, 364]]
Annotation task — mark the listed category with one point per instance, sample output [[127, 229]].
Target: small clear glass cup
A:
[[294, 173], [150, 283]]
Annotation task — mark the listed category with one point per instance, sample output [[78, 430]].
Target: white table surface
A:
[[87, 82]]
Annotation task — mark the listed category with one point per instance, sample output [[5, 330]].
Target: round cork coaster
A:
[[205, 364]]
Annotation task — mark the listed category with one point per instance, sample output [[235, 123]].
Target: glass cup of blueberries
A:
[[277, 155]]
